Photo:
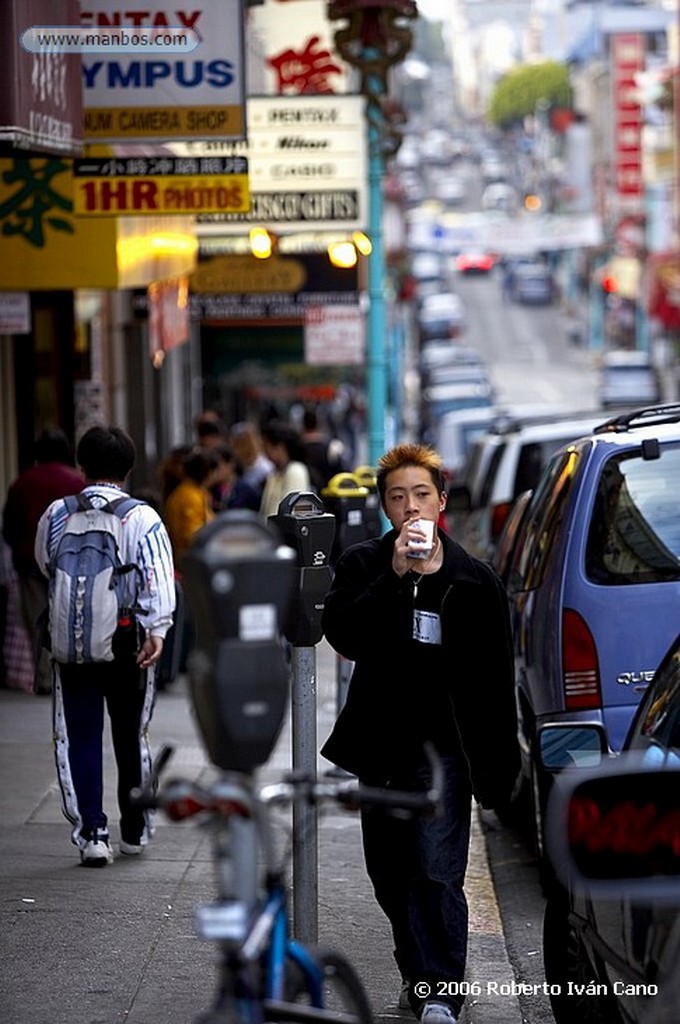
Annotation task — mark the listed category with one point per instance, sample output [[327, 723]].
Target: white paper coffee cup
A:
[[422, 548]]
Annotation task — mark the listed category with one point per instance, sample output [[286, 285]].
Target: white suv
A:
[[508, 461]]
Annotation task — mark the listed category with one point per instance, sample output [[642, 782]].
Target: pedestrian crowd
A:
[[245, 465]]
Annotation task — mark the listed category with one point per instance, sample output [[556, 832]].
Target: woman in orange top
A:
[[188, 507]]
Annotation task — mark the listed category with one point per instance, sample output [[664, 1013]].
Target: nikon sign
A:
[[307, 164]]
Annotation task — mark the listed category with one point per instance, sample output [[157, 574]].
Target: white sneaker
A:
[[97, 852], [130, 849], [437, 1013]]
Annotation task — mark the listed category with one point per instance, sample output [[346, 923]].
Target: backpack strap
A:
[[120, 507]]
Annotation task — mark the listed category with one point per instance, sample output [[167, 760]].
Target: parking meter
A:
[[345, 498], [374, 523], [238, 579], [308, 528]]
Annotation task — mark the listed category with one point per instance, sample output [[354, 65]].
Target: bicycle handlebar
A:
[[182, 798]]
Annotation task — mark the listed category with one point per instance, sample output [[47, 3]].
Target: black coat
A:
[[367, 619]]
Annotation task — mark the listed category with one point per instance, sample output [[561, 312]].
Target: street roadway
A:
[[527, 348]]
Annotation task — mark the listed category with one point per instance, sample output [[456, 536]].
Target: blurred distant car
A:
[[627, 378], [434, 354], [532, 284], [441, 315], [450, 191], [456, 432], [474, 262], [500, 196], [493, 168]]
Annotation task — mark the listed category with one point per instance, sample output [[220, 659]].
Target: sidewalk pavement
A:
[[117, 945]]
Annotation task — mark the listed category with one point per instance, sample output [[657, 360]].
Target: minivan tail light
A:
[[581, 672], [499, 513]]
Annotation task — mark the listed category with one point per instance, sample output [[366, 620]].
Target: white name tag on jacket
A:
[[427, 627]]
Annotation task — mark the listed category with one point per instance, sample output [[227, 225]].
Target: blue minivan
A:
[[594, 583]]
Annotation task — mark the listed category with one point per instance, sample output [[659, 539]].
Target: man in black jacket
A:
[[430, 638]]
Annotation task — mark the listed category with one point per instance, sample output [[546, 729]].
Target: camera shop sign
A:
[[308, 165], [111, 186], [157, 71]]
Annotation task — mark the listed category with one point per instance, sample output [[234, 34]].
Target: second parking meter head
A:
[[308, 528], [239, 579], [372, 515], [346, 498]]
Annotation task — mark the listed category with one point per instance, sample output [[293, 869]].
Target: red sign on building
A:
[[628, 57]]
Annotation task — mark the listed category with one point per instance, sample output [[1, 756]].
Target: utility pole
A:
[[373, 40]]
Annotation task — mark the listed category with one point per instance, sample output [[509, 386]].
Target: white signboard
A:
[[15, 313], [299, 55], [334, 335], [191, 89], [308, 165]]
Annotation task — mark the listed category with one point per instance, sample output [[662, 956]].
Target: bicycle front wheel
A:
[[344, 1000]]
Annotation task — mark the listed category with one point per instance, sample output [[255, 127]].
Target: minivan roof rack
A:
[[652, 415]]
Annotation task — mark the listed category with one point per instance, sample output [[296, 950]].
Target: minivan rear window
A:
[[634, 534]]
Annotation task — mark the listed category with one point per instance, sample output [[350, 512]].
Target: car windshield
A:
[[635, 529]]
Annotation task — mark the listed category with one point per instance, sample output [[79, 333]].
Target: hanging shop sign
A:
[[189, 87], [110, 186], [628, 56], [15, 313], [40, 93], [44, 245], [334, 335], [307, 158], [299, 55]]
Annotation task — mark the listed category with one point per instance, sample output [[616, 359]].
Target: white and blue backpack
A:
[[90, 588]]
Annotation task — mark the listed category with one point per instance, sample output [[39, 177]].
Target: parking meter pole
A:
[[305, 831], [308, 528]]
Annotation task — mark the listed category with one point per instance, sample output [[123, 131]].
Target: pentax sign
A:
[[196, 91], [112, 186]]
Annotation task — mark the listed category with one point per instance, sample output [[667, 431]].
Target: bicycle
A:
[[265, 975]]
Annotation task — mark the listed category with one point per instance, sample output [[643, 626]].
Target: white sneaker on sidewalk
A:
[[437, 1013]]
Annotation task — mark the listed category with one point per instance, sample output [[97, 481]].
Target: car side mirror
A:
[[571, 746], [615, 832]]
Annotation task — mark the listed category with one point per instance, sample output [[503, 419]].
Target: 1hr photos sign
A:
[[108, 187]]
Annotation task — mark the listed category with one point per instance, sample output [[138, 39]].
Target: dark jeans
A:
[[417, 867], [83, 693]]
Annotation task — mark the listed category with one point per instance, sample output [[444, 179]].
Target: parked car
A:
[[611, 936], [595, 585], [532, 284], [627, 378], [441, 315], [457, 431], [500, 196], [511, 460], [444, 352]]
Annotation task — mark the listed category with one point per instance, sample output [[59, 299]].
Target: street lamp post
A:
[[373, 40]]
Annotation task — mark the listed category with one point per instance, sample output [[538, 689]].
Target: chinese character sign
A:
[[627, 60], [300, 57]]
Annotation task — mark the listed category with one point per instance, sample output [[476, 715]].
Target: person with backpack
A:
[[111, 597]]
